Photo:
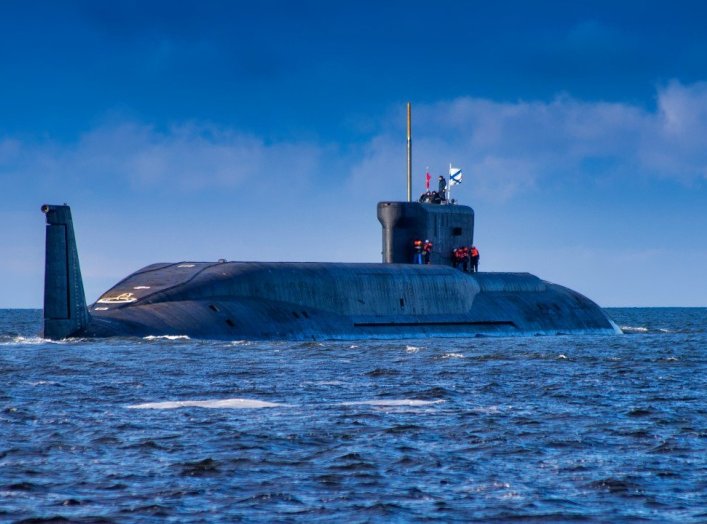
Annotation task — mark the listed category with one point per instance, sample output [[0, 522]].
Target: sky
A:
[[268, 130]]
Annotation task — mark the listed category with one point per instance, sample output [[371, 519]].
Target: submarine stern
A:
[[65, 312]]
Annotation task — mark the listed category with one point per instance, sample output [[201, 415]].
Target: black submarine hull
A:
[[313, 301], [306, 301]]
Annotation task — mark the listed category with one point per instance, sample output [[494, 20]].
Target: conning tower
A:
[[446, 226]]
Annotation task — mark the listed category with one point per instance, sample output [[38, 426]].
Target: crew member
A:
[[426, 250], [458, 256], [417, 249], [465, 258], [474, 254], [442, 188]]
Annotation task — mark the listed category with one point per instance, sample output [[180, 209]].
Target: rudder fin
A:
[[65, 311]]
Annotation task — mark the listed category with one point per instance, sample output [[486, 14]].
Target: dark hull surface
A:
[[316, 301]]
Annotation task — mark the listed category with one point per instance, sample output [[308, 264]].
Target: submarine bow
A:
[[316, 300]]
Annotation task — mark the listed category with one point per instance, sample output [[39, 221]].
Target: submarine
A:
[[317, 300], [393, 299]]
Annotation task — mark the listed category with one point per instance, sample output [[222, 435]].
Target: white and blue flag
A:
[[455, 175]]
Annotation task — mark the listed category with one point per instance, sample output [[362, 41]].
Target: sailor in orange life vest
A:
[[460, 256], [417, 247], [426, 250], [474, 254]]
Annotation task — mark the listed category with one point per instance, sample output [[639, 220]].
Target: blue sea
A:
[[592, 428]]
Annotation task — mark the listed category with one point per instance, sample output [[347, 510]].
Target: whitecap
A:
[[634, 329], [33, 341], [487, 410], [412, 349], [453, 355], [561, 357], [407, 402], [166, 337], [229, 403]]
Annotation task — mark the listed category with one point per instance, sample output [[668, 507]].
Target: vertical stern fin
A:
[[65, 311]]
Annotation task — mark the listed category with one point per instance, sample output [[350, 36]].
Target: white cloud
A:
[[505, 148], [183, 158], [675, 144]]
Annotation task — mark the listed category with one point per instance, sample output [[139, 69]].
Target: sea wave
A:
[[32, 341], [230, 403], [634, 329], [406, 402], [166, 337]]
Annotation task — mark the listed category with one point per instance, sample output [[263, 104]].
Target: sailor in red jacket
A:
[[464, 255], [474, 254], [458, 256], [417, 247], [427, 249]]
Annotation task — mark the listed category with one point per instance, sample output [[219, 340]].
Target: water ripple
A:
[[602, 429]]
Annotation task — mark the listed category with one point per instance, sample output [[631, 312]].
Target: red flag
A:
[[427, 180]]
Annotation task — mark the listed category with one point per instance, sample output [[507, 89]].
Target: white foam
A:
[[487, 410], [392, 402], [229, 403], [452, 355], [634, 329], [412, 349], [32, 341], [166, 337]]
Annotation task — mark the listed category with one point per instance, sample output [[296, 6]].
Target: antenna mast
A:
[[409, 154]]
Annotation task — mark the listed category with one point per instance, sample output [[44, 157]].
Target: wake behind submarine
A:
[[394, 299]]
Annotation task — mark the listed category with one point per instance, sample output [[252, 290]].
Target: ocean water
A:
[[608, 429]]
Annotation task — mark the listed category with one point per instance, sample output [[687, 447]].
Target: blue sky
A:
[[269, 130]]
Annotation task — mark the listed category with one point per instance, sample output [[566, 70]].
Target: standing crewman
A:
[[474, 254], [465, 258], [426, 250], [442, 189], [456, 259], [417, 249]]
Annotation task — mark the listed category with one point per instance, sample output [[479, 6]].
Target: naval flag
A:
[[455, 175], [427, 179]]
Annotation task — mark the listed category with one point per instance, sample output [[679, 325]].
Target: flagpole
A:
[[449, 185], [409, 154]]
